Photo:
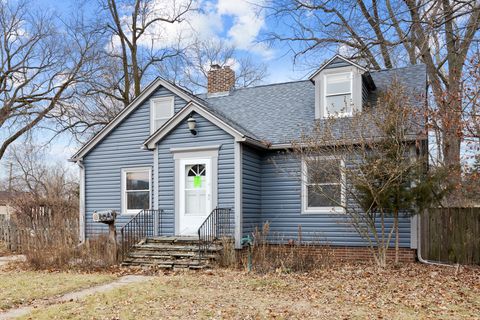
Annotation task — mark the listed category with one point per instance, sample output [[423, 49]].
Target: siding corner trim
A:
[[238, 195]]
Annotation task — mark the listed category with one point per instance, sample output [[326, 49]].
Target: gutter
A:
[[81, 221], [254, 142]]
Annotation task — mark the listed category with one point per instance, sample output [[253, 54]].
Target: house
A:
[[6, 198], [187, 154]]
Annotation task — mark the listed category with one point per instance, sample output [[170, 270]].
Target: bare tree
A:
[[137, 39], [204, 53], [135, 45], [41, 178], [438, 33], [371, 168], [40, 67]]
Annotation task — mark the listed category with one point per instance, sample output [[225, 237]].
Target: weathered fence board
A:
[[20, 239], [451, 235], [9, 234]]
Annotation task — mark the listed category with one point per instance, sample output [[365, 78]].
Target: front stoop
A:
[[170, 253]]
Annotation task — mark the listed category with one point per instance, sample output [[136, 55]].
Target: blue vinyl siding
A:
[[281, 207], [251, 189], [208, 134], [120, 149]]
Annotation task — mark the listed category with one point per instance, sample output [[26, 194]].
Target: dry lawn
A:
[[344, 292], [21, 287], [3, 249]]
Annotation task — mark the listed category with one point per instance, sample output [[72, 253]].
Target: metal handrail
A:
[[218, 225], [140, 226]]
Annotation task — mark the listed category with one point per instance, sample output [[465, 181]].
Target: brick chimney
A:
[[220, 79]]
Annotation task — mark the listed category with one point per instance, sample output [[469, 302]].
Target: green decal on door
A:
[[197, 182]]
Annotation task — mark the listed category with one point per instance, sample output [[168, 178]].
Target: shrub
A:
[[272, 253], [227, 257], [48, 234]]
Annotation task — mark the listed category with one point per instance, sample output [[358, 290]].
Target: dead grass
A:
[[284, 255], [20, 287], [227, 257], [3, 249], [338, 292]]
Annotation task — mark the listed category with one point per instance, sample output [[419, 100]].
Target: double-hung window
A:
[[338, 94], [136, 185], [161, 109], [322, 185]]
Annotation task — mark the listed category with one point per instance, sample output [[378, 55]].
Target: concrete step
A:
[[187, 255], [176, 240], [171, 252], [165, 264], [190, 262], [135, 264], [174, 247]]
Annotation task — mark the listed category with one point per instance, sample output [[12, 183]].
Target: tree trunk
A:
[[451, 111], [397, 235], [384, 244], [112, 243]]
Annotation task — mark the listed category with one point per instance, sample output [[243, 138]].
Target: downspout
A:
[[81, 207], [419, 251], [419, 221]]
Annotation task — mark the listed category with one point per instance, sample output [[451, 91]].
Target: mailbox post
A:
[[108, 217]]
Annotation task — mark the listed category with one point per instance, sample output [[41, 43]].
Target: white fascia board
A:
[[126, 111], [81, 208], [238, 175]]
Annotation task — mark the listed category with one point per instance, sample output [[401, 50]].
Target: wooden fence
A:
[[10, 235], [451, 235], [20, 239]]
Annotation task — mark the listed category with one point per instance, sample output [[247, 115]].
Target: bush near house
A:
[[49, 235]]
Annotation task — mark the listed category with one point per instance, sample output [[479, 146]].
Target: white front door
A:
[[195, 191]]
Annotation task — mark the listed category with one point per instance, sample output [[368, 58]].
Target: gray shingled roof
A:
[[278, 113]]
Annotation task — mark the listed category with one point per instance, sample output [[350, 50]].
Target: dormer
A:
[[341, 88]]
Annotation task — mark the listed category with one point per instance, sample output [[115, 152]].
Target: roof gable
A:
[[336, 62], [144, 95], [237, 132]]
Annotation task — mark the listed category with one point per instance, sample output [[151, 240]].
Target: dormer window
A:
[[338, 94], [341, 88], [161, 109]]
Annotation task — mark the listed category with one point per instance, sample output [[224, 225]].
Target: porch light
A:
[[192, 123]]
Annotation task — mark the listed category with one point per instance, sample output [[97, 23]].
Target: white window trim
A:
[[321, 210], [170, 99], [124, 185], [325, 95]]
